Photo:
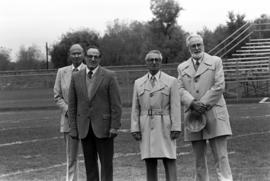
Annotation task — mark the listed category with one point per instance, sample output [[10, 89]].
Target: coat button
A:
[[195, 80]]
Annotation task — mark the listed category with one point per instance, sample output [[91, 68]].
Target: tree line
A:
[[125, 43]]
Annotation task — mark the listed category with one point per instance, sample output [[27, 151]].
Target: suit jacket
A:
[[102, 109], [61, 89], [155, 130], [206, 85]]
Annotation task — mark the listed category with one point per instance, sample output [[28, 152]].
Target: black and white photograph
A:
[[134, 90]]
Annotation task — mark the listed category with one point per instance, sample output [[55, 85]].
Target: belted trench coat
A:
[[155, 113]]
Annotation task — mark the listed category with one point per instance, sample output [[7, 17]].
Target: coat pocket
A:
[[220, 112], [166, 92]]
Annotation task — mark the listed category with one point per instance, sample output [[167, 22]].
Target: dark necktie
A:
[[75, 70], [197, 64], [90, 73]]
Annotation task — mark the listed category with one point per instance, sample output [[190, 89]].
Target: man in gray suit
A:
[[202, 84], [94, 114], [61, 89]]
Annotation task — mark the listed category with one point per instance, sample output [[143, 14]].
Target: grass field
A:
[[31, 147]]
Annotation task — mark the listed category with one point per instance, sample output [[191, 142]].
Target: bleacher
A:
[[250, 62]]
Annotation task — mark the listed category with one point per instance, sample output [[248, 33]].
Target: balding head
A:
[[76, 47], [76, 54]]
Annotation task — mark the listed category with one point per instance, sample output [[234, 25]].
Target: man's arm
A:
[[175, 111], [72, 112], [185, 96], [115, 101], [58, 95], [211, 97], [135, 116]]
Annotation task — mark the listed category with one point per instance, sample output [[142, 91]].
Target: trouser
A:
[[94, 148], [219, 150], [72, 147], [169, 165]]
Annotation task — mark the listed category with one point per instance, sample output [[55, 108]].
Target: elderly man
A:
[[95, 114], [155, 117], [61, 89], [202, 84]]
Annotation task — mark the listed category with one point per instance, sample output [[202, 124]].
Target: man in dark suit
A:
[[94, 114]]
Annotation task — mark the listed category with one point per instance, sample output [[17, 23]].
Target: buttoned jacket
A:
[[102, 108], [207, 85], [155, 113]]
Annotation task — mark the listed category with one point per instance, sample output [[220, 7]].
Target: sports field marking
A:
[[265, 100], [26, 127], [247, 117], [29, 141], [250, 134]]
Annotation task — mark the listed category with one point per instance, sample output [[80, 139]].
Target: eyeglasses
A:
[[196, 45], [93, 56], [153, 60]]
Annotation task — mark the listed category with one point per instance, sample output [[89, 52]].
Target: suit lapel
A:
[[189, 69], [83, 82], [99, 76], [67, 75]]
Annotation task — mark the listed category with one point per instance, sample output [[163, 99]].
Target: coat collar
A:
[[204, 65], [160, 83]]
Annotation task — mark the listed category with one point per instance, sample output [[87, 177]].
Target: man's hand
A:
[[113, 133], [198, 106], [137, 135], [66, 114], [73, 134], [175, 134]]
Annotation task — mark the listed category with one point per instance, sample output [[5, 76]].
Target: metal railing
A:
[[239, 36]]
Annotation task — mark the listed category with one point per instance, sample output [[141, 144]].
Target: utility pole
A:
[[47, 55]]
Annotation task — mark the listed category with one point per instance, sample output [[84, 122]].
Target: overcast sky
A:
[[28, 22]]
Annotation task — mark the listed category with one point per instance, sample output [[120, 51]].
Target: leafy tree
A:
[[59, 52], [4, 59], [30, 58], [235, 21], [166, 35], [123, 43]]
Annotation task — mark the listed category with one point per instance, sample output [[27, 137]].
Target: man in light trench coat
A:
[[202, 83], [155, 117]]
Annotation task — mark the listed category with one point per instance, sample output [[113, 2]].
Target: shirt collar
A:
[[94, 70], [200, 60], [79, 67], [157, 75]]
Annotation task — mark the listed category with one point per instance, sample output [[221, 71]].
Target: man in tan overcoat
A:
[[155, 117], [202, 83], [61, 90]]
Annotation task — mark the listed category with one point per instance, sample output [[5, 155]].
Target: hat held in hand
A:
[[195, 121]]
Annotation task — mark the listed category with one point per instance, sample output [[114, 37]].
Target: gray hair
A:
[[153, 52], [193, 36]]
